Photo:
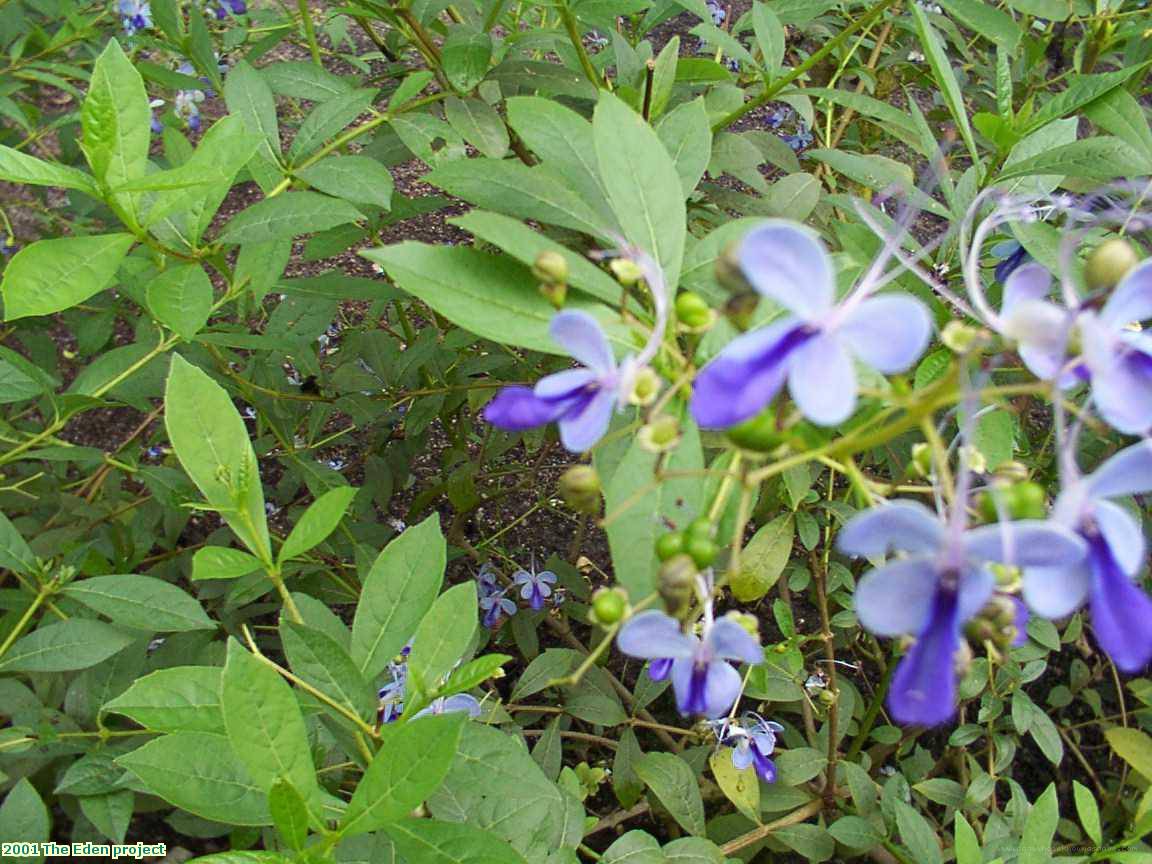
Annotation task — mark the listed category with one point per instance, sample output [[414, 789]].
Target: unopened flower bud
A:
[[1007, 577], [995, 623], [728, 271], [677, 584], [550, 266], [555, 293], [750, 623], [580, 488], [760, 434], [645, 386], [827, 697], [959, 337], [609, 606], [693, 312], [741, 309], [662, 434], [1012, 471], [1109, 262], [626, 271], [977, 463], [922, 459]]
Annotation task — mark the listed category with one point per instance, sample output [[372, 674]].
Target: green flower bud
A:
[[677, 584], [609, 606], [1012, 471], [977, 463], [661, 434], [1108, 263], [645, 386], [580, 488], [699, 528], [827, 697], [555, 293], [626, 271], [922, 459], [959, 337], [550, 266], [759, 434], [693, 312], [670, 544], [703, 551]]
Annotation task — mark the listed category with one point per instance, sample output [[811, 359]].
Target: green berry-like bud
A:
[[609, 605], [645, 386], [699, 528], [693, 312], [1108, 263], [827, 697], [1012, 471], [1027, 500], [749, 623], [580, 488], [555, 293], [759, 434], [922, 459], [728, 271], [677, 583], [550, 266], [662, 434], [626, 271], [670, 544], [702, 550], [959, 337]]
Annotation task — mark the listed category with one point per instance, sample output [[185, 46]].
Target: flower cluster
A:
[[135, 15], [535, 587], [753, 741], [392, 694]]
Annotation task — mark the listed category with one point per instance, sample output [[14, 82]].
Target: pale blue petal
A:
[[462, 702], [974, 591], [787, 263], [1028, 282], [896, 599], [1129, 472], [905, 525], [888, 332], [580, 432], [1053, 592], [729, 640], [822, 381], [721, 687], [1123, 395], [580, 335], [1123, 535], [561, 384], [1132, 299], [1026, 543], [653, 635], [742, 755]]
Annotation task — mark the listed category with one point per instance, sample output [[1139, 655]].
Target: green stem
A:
[[871, 714], [573, 31], [41, 596], [309, 30]]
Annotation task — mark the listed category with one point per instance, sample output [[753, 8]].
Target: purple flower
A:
[[1121, 611], [391, 695], [580, 400], [703, 681], [535, 587], [718, 13], [752, 743], [1119, 359], [813, 348], [659, 668], [448, 704], [496, 607], [1039, 326], [800, 140], [933, 591], [135, 15], [1011, 255]]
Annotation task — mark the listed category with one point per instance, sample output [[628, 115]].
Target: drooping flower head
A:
[[579, 400], [702, 679], [535, 587], [753, 741], [812, 349], [940, 583], [135, 15], [1121, 611]]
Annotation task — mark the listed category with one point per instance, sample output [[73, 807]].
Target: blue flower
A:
[[1039, 326], [223, 8], [940, 584], [800, 140], [702, 679], [580, 400], [8, 246], [718, 13], [753, 741], [1011, 255], [535, 587], [391, 695], [135, 15], [813, 348], [448, 704], [1121, 611], [496, 607]]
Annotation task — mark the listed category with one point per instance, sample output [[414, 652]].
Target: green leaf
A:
[[15, 553], [18, 385], [410, 765], [65, 646], [742, 787], [466, 54], [181, 298], [856, 833], [1120, 114], [304, 80], [221, 562], [289, 813], [643, 184], [1080, 91], [491, 296], [967, 844], [399, 588], [990, 22], [212, 444], [687, 136], [360, 179], [799, 765], [432, 842], [249, 97], [264, 724], [198, 772], [321, 661], [672, 781], [178, 699], [635, 847], [1102, 158], [317, 522], [110, 813], [1054, 134], [553, 663], [479, 124], [444, 634], [1089, 812], [327, 120], [1134, 747], [917, 835], [52, 275], [633, 531], [770, 38], [1040, 828], [288, 215], [142, 602], [116, 123], [995, 437], [24, 818], [1047, 738], [664, 77], [878, 173], [764, 559], [473, 673], [937, 56], [17, 167], [812, 841]]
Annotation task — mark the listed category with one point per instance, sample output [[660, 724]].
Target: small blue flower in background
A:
[[1011, 255], [223, 8], [813, 348], [778, 116], [391, 695], [535, 587], [493, 603], [448, 704], [187, 107], [1118, 358], [135, 15], [8, 246], [702, 679], [718, 13], [940, 584], [800, 140], [753, 741], [1121, 611], [580, 400]]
